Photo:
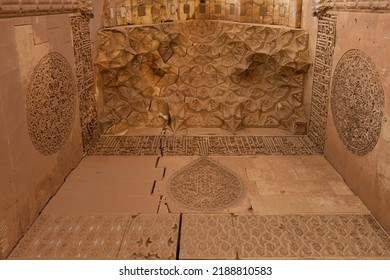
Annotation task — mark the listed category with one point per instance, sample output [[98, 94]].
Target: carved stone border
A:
[[203, 145], [326, 35], [45, 7], [321, 7], [85, 80]]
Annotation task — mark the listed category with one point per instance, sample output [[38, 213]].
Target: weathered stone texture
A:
[[203, 74], [281, 12]]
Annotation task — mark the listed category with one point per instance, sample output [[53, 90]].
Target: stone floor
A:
[[276, 207]]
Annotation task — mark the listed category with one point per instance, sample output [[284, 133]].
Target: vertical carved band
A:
[[321, 80], [85, 81]]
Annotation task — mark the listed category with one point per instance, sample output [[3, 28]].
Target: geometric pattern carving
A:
[[310, 237], [85, 80], [207, 237], [151, 237], [50, 103], [73, 237], [203, 74], [326, 35], [203, 145], [357, 101], [205, 185], [203, 236]]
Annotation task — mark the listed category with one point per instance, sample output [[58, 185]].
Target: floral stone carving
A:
[[205, 185], [357, 102], [50, 103]]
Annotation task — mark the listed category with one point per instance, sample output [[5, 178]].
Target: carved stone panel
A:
[[357, 102], [85, 80], [50, 103], [205, 185], [326, 35], [203, 74], [207, 237]]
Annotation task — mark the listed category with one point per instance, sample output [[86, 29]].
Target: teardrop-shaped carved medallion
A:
[[205, 185]]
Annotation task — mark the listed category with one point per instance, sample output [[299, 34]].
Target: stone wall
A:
[[126, 12], [40, 131], [15, 8], [203, 74], [321, 7], [357, 141]]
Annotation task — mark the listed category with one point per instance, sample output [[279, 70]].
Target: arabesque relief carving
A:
[[50, 103], [357, 102], [205, 185], [203, 74]]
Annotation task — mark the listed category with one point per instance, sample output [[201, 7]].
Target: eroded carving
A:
[[321, 7], [205, 185], [45, 7], [50, 103], [203, 74], [85, 81], [151, 237], [357, 102], [207, 145], [73, 237], [326, 35]]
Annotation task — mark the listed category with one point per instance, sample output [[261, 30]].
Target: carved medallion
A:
[[205, 185], [357, 101], [50, 103]]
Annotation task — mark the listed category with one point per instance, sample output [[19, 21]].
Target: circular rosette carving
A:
[[50, 103], [357, 102]]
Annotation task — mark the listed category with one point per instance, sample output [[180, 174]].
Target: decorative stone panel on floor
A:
[[72, 237], [203, 145], [151, 237], [357, 102], [310, 237], [205, 185], [207, 237]]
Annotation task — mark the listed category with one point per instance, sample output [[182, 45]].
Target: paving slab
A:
[[208, 237], [151, 237]]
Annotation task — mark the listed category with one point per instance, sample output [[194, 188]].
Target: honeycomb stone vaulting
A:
[[203, 74]]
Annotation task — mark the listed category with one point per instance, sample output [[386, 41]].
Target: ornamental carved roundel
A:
[[205, 185], [50, 103], [357, 102]]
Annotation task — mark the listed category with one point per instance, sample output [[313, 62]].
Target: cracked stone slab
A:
[[206, 236], [151, 237], [310, 237], [72, 238]]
